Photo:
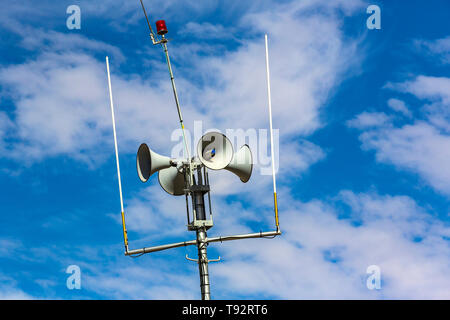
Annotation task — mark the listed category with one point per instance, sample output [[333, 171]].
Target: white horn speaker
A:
[[148, 162], [242, 163], [172, 181], [214, 150]]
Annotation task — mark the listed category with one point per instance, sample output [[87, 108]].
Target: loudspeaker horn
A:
[[148, 162], [242, 163], [214, 150], [172, 181]]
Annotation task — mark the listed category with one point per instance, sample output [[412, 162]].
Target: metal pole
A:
[[162, 247], [173, 84], [175, 94], [203, 264], [275, 204], [261, 234], [125, 237]]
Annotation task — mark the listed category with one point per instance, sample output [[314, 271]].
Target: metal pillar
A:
[[203, 264], [198, 202]]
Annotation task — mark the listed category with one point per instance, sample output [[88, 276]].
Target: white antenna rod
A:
[[271, 134], [117, 155]]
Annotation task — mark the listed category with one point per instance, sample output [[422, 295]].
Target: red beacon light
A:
[[161, 28]]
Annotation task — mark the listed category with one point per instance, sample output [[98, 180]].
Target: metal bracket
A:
[[155, 42], [196, 260], [214, 260], [190, 259], [197, 224]]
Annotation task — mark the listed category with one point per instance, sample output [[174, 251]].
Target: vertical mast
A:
[[125, 238], [271, 136], [175, 94], [164, 41], [203, 264]]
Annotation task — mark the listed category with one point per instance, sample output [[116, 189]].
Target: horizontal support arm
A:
[[245, 236], [160, 248], [213, 239]]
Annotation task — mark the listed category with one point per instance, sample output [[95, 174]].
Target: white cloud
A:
[[6, 125], [436, 93], [62, 108], [436, 48], [366, 120], [9, 246], [303, 71], [130, 281], [9, 289], [68, 114], [206, 30], [7, 293], [399, 106], [122, 16], [53, 41], [422, 147], [154, 210], [426, 87], [323, 253], [321, 256], [56, 112]]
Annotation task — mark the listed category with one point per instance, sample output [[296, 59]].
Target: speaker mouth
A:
[[143, 162], [214, 150], [251, 163]]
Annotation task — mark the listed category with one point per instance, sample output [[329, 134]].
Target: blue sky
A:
[[363, 119]]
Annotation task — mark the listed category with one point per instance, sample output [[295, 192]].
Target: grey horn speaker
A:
[[172, 181], [242, 163], [214, 150], [148, 162]]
